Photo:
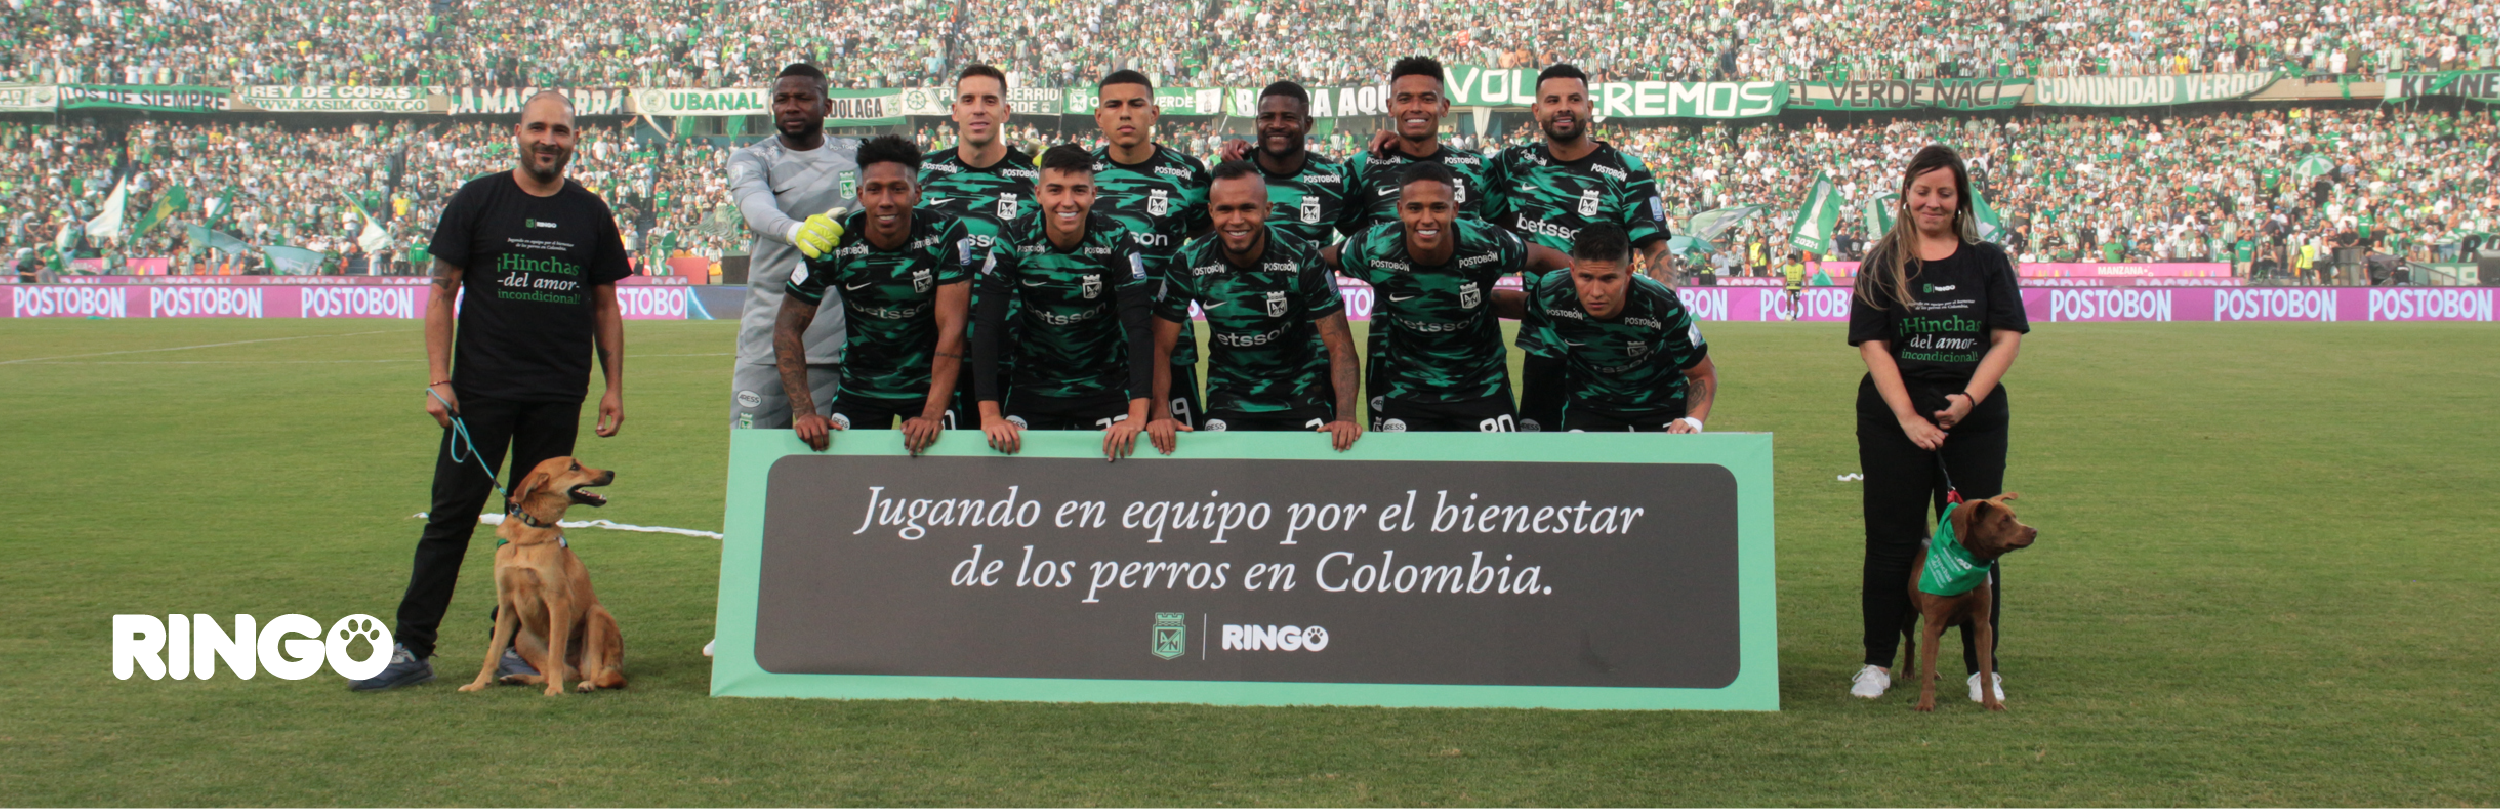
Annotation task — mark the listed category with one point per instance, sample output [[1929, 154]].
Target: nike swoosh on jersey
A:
[[860, 285], [1395, 298]]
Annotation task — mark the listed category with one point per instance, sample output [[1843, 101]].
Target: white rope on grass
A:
[[497, 519]]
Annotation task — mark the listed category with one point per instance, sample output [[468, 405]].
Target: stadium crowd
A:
[[903, 43]]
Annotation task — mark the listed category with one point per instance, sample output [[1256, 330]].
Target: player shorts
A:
[[1043, 413], [863, 413], [1541, 393], [1290, 421], [1590, 420], [758, 403], [1185, 405], [1491, 414]]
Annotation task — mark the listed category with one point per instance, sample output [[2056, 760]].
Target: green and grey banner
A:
[[1557, 571], [29, 97], [862, 107], [157, 98], [1477, 86], [2148, 91], [2478, 85], [1886, 95]]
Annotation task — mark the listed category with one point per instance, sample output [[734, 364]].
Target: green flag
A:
[[292, 260], [174, 199], [219, 206], [1880, 210], [1989, 224], [216, 240], [1811, 230], [1709, 225]]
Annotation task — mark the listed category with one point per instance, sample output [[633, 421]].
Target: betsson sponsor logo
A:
[[289, 647], [1273, 638]]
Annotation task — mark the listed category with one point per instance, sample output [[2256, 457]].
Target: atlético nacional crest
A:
[[1158, 202], [1636, 349], [920, 280], [1588, 202], [1171, 634], [1091, 286], [1275, 303], [1006, 206], [1310, 209], [848, 181], [1469, 297]]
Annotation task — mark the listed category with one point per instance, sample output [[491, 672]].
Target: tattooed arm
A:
[[790, 356], [442, 298]]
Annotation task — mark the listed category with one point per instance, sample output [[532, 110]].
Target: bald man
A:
[[538, 257]]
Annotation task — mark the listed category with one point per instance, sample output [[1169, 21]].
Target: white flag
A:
[[108, 223]]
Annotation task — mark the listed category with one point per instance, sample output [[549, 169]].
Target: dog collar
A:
[[528, 520]]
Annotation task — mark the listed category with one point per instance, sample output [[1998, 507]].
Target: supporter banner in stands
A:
[[1474, 86], [29, 97], [867, 107], [349, 98], [1326, 102], [508, 100], [1903, 94], [1568, 571], [2148, 91], [2482, 86], [167, 98], [1173, 100], [400, 301]]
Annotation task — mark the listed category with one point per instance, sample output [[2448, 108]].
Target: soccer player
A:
[[981, 180], [1283, 357], [1443, 367], [1417, 103], [1308, 195], [539, 257], [906, 290], [1633, 360], [1084, 361], [1547, 192], [786, 186], [1158, 194]]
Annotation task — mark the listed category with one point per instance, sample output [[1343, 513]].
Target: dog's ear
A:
[[1964, 519], [529, 487]]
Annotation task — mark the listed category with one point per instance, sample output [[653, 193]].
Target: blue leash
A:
[[460, 430]]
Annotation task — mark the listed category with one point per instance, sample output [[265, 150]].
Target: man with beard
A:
[[981, 180], [1308, 195], [1442, 367], [1547, 192], [1156, 192], [1283, 357], [540, 257], [790, 188]]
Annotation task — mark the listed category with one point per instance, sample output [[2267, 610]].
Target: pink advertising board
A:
[[396, 301]]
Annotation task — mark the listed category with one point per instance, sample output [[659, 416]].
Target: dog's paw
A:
[[555, 689], [587, 687], [1926, 706], [474, 687]]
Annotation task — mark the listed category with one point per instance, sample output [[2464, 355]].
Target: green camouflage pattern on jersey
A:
[[1314, 204], [1548, 202], [1073, 344], [986, 199], [889, 301], [1443, 343], [1373, 182], [1631, 366], [1161, 202], [1267, 356]]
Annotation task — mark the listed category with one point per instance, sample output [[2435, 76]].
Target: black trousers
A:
[[534, 432], [1902, 484], [1541, 394]]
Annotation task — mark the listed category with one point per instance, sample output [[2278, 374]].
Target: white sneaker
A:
[[1870, 682], [1999, 681], [707, 651]]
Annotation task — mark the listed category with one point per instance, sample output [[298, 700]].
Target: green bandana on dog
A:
[[1950, 569]]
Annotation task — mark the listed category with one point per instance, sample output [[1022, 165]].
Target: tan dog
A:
[[542, 592], [1988, 530]]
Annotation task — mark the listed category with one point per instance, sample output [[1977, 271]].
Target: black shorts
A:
[[1041, 413], [862, 413], [1491, 414], [1289, 421], [1586, 420], [1185, 405]]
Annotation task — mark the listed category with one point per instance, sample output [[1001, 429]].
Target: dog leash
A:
[[1951, 495], [460, 430]]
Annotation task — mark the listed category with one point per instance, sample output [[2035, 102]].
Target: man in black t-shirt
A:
[[529, 261]]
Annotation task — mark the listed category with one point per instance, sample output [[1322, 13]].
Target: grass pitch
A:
[[2266, 575]]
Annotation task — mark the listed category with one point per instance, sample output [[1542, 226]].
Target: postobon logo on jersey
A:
[[1157, 202]]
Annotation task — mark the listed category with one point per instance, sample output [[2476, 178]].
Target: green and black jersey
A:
[[1316, 204], [1630, 367], [1443, 344], [889, 300], [1267, 355], [1549, 201], [1083, 315], [1161, 202], [1376, 181], [986, 198]]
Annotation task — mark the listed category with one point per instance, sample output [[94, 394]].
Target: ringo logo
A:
[[189, 646], [1269, 637]]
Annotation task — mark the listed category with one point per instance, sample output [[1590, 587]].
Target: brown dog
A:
[[1988, 530], [542, 592]]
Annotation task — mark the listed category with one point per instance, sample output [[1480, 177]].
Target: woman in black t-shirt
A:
[[1938, 319]]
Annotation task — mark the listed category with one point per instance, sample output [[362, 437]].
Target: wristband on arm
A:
[[1692, 421]]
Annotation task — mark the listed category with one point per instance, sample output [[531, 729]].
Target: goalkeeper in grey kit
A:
[[787, 187]]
